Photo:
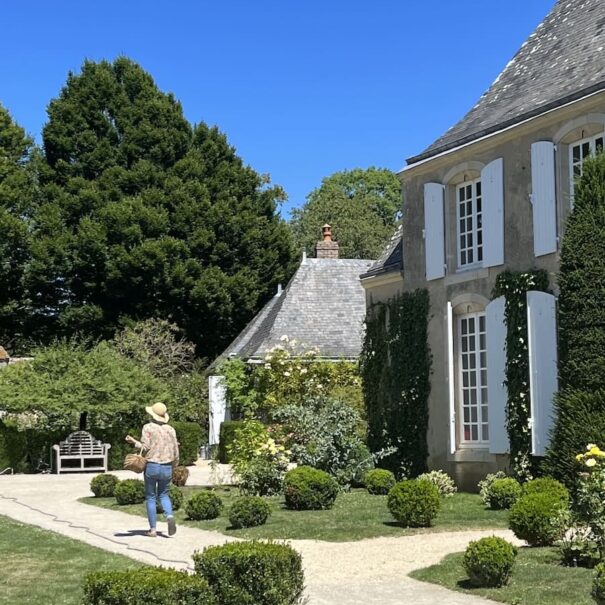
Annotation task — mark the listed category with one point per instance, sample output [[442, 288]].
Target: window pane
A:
[[485, 432], [474, 433]]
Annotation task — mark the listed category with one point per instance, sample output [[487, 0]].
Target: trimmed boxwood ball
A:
[[203, 506], [103, 486], [306, 488], [249, 511], [379, 481], [252, 573], [414, 503], [130, 491], [149, 585], [176, 498], [538, 519], [503, 493], [547, 485], [489, 562]]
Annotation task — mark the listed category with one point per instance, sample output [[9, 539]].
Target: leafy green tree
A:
[[69, 384], [17, 191], [142, 215], [362, 206], [580, 406]]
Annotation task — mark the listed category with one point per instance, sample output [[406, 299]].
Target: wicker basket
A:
[[135, 462]]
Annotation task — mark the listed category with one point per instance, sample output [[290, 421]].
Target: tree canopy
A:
[[142, 215], [362, 206], [17, 189]]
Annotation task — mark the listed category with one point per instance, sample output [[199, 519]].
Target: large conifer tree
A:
[[142, 215], [580, 406], [17, 189]]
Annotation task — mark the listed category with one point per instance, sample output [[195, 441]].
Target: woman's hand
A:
[[130, 439]]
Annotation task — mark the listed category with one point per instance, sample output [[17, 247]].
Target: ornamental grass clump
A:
[[539, 519], [503, 493], [103, 486], [489, 562], [307, 488], [249, 511], [252, 573], [442, 481], [130, 491], [379, 481], [414, 503], [203, 506]]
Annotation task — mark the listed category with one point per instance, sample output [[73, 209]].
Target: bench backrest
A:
[[82, 443]]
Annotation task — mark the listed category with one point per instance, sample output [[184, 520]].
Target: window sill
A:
[[464, 275], [467, 453]]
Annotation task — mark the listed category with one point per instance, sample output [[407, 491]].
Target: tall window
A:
[[470, 229], [579, 151], [472, 364]]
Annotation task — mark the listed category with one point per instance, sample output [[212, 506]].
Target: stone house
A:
[[322, 307], [493, 194]]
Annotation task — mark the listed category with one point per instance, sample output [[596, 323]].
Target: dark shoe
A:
[[171, 526]]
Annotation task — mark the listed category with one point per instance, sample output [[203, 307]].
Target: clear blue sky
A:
[[302, 89]]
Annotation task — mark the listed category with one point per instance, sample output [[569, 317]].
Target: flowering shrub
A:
[[442, 481], [290, 375], [258, 460], [589, 505]]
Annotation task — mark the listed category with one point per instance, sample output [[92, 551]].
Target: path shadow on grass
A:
[[131, 533]]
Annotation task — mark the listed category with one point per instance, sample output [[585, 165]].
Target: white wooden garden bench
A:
[[83, 447]]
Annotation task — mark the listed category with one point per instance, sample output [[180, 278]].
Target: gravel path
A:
[[351, 573]]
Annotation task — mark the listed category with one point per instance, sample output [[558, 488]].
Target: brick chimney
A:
[[326, 248]]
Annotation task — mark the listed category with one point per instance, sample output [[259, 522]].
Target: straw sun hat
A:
[[158, 412]]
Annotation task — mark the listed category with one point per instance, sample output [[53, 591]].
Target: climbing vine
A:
[[395, 368], [514, 287]]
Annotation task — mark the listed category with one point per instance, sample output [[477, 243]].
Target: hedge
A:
[[226, 438], [150, 585], [190, 437], [22, 450]]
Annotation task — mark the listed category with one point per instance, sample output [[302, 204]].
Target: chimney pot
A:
[[326, 247]]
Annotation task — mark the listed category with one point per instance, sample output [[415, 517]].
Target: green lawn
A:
[[538, 579], [39, 567], [356, 515]]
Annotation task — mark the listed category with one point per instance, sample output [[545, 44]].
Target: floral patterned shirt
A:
[[160, 443]]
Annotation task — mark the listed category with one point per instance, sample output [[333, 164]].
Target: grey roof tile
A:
[[563, 60], [391, 258], [323, 306]]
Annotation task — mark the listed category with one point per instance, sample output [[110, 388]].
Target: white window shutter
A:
[[434, 231], [497, 394], [544, 197], [542, 333], [450, 376], [492, 191], [218, 412]]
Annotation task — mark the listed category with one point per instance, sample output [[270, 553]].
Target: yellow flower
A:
[[590, 446], [595, 451], [590, 462], [579, 457]]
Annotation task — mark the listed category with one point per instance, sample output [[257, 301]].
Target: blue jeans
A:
[[157, 482]]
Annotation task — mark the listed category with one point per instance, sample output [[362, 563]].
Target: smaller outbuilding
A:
[[323, 307]]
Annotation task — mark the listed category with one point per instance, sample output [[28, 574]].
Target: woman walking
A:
[[161, 449]]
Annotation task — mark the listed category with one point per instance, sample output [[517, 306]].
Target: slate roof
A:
[[323, 306], [562, 61], [391, 258]]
